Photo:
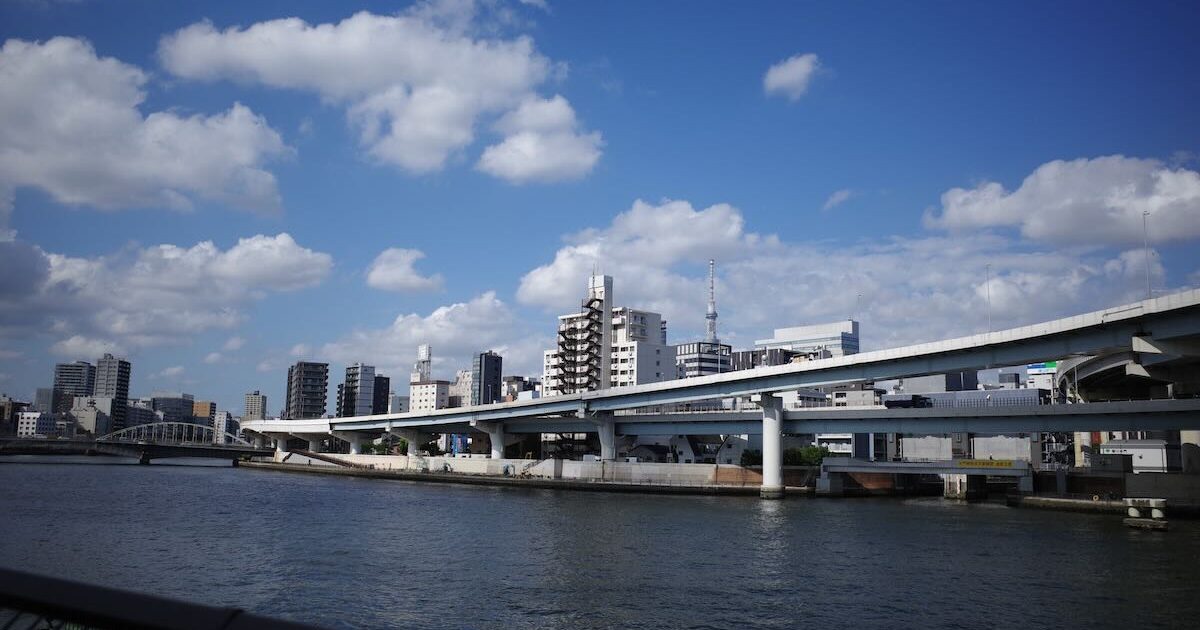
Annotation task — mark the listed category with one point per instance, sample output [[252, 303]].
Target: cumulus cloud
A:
[[790, 77], [70, 125], [542, 143], [913, 289], [160, 294], [414, 85], [233, 344], [648, 243], [1096, 201], [212, 358], [837, 198], [393, 270], [301, 351], [455, 332]]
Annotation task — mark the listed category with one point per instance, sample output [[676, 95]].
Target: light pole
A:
[[987, 285], [1146, 247]]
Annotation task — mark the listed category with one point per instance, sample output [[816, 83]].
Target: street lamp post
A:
[[1146, 247], [987, 285]]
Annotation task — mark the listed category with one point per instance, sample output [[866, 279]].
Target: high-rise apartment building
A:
[[112, 381], [308, 385], [604, 346], [256, 406], [486, 387], [356, 394], [71, 380], [381, 401]]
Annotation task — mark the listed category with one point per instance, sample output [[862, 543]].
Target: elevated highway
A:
[[1171, 321]]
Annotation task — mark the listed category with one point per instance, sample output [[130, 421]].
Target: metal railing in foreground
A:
[[33, 601]]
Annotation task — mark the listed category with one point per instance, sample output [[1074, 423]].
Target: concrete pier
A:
[[772, 452]]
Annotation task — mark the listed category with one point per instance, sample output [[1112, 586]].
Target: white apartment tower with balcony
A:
[[604, 346]]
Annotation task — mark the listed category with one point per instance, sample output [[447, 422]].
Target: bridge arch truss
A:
[[173, 433]]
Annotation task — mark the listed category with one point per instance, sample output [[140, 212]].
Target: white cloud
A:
[[233, 344], [1095, 201], [913, 289], [174, 371], [790, 77], [838, 198], [393, 270], [415, 84], [301, 351], [542, 143], [213, 358], [70, 125], [455, 332], [160, 294], [77, 346], [642, 249]]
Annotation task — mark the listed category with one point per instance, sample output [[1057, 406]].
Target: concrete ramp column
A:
[[772, 440], [355, 439], [414, 438], [281, 440], [495, 433]]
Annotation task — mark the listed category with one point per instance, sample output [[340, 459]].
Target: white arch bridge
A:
[[144, 442]]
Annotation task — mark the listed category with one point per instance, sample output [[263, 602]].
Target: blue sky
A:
[[482, 157]]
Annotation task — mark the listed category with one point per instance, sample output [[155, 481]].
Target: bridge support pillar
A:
[[281, 440], [414, 438], [608, 439], [772, 440], [495, 433], [355, 439], [314, 445]]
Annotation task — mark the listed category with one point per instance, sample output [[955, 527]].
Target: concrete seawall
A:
[[548, 473]]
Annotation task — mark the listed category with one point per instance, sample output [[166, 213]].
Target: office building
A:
[[43, 400], [174, 406], [92, 415], [139, 412], [486, 385], [381, 400], [255, 406], [751, 359], [307, 387], [429, 395], [356, 394], [204, 412], [398, 404], [511, 387], [459, 392], [34, 423], [839, 338], [224, 422], [71, 380], [9, 408], [701, 358], [112, 381]]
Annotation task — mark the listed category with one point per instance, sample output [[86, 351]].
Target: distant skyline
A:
[[215, 190]]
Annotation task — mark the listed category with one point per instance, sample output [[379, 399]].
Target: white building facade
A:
[[839, 338]]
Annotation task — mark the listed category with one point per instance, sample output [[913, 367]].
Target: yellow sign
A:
[[985, 463]]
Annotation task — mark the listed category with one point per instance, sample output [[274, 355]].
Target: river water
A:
[[346, 552]]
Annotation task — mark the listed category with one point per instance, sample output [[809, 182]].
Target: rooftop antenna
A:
[[711, 315]]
